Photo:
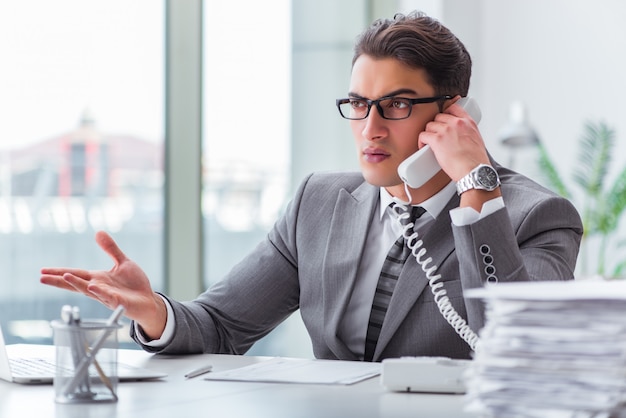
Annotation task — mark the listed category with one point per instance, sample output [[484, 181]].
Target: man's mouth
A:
[[375, 155]]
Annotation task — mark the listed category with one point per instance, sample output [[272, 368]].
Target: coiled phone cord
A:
[[443, 302]]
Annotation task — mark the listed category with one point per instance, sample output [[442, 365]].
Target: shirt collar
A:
[[433, 205]]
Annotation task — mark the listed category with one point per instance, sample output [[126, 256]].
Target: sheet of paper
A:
[[292, 370], [553, 290]]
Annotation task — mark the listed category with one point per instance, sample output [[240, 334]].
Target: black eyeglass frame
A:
[[381, 112]]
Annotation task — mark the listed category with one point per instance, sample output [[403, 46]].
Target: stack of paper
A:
[[554, 349]]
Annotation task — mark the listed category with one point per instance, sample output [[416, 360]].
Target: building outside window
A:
[[81, 148]]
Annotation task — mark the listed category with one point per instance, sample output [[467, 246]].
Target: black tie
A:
[[389, 274]]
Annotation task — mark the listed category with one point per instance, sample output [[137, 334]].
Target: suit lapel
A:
[[346, 240], [439, 244]]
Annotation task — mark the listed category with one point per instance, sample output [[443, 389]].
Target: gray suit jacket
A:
[[310, 258]]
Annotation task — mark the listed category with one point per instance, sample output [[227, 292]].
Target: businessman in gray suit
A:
[[481, 223]]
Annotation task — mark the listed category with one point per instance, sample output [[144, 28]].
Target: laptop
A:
[[18, 365]]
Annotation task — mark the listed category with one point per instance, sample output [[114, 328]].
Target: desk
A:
[[179, 398]]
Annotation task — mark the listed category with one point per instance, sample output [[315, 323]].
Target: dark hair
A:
[[420, 41]]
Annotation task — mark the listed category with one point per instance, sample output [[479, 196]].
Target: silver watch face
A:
[[487, 177]]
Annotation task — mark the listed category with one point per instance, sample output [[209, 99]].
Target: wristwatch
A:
[[483, 177]]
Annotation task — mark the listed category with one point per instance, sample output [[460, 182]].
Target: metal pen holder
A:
[[86, 361]]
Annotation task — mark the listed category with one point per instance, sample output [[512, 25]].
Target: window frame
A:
[[183, 244]]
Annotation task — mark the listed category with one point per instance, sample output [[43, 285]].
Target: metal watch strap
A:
[[466, 183], [470, 181]]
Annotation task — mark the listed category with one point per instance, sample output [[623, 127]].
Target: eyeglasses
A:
[[392, 108]]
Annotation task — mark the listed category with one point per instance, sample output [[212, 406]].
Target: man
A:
[[325, 254]]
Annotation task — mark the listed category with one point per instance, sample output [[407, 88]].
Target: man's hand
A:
[[456, 142], [125, 284], [459, 148]]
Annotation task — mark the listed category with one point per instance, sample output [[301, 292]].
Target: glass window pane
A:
[[246, 126], [81, 145], [246, 139]]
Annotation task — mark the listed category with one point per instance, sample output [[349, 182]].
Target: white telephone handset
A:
[[422, 166], [414, 172]]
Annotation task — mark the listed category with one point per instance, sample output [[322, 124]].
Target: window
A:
[[247, 114], [247, 138], [81, 150]]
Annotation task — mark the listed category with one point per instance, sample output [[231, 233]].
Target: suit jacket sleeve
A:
[[535, 237], [255, 296]]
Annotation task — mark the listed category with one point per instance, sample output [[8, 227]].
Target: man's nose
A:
[[375, 125]]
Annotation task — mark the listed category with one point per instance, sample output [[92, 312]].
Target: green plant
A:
[[602, 206]]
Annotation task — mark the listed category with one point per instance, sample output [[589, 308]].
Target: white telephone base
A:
[[424, 374]]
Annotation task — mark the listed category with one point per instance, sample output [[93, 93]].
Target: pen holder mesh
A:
[[83, 375]]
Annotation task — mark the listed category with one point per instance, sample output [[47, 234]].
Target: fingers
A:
[[60, 271], [93, 284], [67, 281], [82, 285], [54, 276], [456, 141], [102, 293], [79, 284], [56, 281], [109, 246], [460, 107]]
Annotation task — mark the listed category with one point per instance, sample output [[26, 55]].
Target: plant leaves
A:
[[601, 209], [594, 157], [550, 174], [619, 270], [616, 200]]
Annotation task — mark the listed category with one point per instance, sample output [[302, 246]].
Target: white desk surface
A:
[[175, 396]]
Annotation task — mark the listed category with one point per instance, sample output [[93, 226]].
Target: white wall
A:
[[564, 59]]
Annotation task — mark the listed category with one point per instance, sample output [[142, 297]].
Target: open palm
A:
[[125, 284]]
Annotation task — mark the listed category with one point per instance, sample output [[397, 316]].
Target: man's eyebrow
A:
[[390, 94]]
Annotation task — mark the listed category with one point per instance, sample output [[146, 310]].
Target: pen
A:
[[82, 371], [85, 348], [198, 372]]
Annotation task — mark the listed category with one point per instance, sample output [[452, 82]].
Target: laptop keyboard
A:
[[32, 367]]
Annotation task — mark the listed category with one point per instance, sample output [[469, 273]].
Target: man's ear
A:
[[443, 106]]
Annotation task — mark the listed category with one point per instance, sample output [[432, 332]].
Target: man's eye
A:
[[399, 104], [358, 104]]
